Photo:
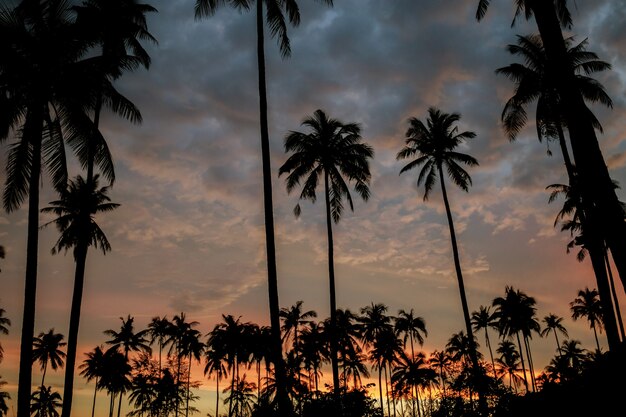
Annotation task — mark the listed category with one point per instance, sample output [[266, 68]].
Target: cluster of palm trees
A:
[[58, 68], [153, 366]]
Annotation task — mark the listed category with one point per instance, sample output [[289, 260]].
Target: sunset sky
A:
[[189, 234]]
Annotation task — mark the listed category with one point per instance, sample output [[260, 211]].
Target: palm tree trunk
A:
[[521, 356], [331, 280], [380, 389], [387, 391], [493, 364], [596, 183], [595, 334], [558, 345], [43, 376], [188, 387], [614, 294], [95, 392], [531, 368], [34, 131], [217, 392], [112, 404], [72, 340], [459, 275], [232, 391], [272, 279]]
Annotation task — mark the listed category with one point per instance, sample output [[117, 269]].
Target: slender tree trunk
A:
[[232, 391], [72, 340], [34, 132], [217, 392], [614, 295], [531, 367], [274, 306], [466, 313], [493, 364], [596, 184], [331, 279], [595, 334], [188, 388], [112, 404], [380, 389], [521, 355], [558, 345], [95, 392], [43, 375], [387, 391]]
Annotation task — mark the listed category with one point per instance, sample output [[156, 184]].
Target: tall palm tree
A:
[[553, 324], [215, 358], [93, 368], [384, 352], [116, 376], [5, 322], [76, 209], [42, 96], [441, 360], [192, 348], [412, 327], [129, 341], [45, 402], [485, 319], [433, 145], [587, 305], [331, 151], [160, 331], [314, 352], [509, 362], [515, 313], [275, 18], [46, 351], [596, 185], [293, 317]]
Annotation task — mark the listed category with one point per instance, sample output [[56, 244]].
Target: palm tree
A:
[[414, 373], [485, 319], [433, 144], [129, 341], [331, 151], [509, 362], [275, 17], [412, 327], [46, 350], [587, 305], [116, 376], [554, 323], [93, 368], [385, 350], [4, 329], [293, 318], [515, 313], [441, 360], [193, 348], [40, 84], [215, 358], [241, 397], [76, 208], [160, 330], [596, 185], [313, 350], [45, 402]]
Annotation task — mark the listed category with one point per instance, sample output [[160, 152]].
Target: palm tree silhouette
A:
[[441, 361], [93, 368], [116, 376], [293, 318], [412, 327], [331, 151], [587, 305], [485, 319], [45, 402], [414, 373], [129, 341], [46, 351], [75, 209], [314, 351], [4, 329], [597, 189], [40, 82], [275, 18], [509, 362], [215, 358], [433, 145], [385, 349], [553, 324], [160, 331], [516, 314]]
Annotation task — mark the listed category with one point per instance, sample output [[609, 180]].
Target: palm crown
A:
[[433, 146], [333, 151]]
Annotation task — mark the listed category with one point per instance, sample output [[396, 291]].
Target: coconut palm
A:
[[93, 368], [412, 327], [587, 305], [275, 11], [115, 377], [441, 361], [485, 319], [45, 402], [385, 349], [414, 373], [215, 359], [293, 318], [553, 323], [314, 350], [433, 145], [192, 348], [241, 397], [515, 313], [46, 351], [331, 151], [509, 362], [40, 86], [129, 341], [160, 331], [76, 209], [4, 329], [596, 185]]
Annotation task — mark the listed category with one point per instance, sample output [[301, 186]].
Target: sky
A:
[[189, 234]]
